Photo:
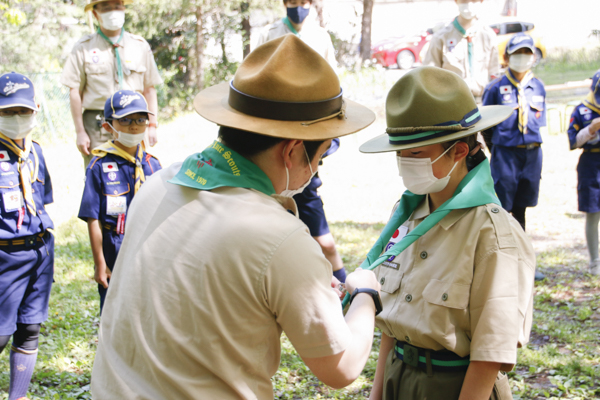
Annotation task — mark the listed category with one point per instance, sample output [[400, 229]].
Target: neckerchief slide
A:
[[476, 189]]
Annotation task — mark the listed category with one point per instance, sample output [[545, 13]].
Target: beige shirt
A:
[[448, 49], [466, 285], [204, 285], [91, 67], [311, 34]]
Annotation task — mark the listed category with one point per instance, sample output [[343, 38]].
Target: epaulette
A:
[[137, 37], [501, 221], [94, 160], [492, 83], [85, 38]]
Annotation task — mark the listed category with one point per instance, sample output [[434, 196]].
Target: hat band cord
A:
[[399, 135], [284, 111]]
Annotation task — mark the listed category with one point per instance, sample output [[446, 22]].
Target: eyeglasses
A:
[[127, 121], [11, 113]]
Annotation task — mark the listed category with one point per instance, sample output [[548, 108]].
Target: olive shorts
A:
[[402, 381]]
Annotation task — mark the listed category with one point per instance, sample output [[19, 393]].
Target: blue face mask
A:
[[297, 14]]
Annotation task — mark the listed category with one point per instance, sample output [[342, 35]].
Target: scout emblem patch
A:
[[112, 176], [4, 155], [506, 98], [110, 167], [95, 57], [4, 166]]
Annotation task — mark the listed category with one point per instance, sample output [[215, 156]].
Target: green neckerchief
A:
[[469, 43], [117, 55], [476, 189], [219, 166], [286, 21]]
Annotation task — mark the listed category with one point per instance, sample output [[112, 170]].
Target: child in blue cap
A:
[[113, 177], [26, 244], [516, 153], [583, 133]]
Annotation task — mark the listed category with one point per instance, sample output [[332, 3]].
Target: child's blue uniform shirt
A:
[[10, 181], [111, 176], [502, 92], [581, 117]]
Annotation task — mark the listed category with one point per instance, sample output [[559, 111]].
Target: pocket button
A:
[[423, 255], [382, 281], [408, 298], [445, 296]]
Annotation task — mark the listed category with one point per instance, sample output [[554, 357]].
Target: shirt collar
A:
[[423, 210]]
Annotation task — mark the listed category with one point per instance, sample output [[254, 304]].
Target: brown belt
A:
[[28, 241], [594, 150], [528, 146]]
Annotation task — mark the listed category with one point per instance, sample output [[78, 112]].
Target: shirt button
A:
[[445, 296], [408, 298], [423, 255], [11, 183], [495, 210], [116, 192], [40, 212], [407, 339], [382, 281]]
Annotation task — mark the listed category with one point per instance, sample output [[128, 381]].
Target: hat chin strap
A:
[[340, 114]]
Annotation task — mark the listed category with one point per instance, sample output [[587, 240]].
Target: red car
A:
[[400, 51]]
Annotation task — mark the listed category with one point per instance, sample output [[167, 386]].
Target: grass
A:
[[568, 65]]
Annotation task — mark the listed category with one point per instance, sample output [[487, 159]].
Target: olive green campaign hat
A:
[[284, 89], [90, 6], [430, 105]]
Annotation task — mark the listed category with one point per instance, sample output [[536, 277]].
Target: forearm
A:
[[76, 110], [95, 232], [387, 345], [151, 98], [584, 136], [340, 370], [479, 380]]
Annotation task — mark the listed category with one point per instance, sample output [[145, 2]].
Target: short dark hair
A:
[[285, 1], [249, 144]]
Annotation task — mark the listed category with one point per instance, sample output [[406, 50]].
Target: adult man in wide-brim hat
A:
[[215, 264], [456, 270]]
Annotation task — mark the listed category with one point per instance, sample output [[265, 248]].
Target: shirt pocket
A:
[[96, 68], [389, 279], [446, 294]]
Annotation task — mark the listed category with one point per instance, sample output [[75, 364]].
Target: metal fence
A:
[[54, 118]]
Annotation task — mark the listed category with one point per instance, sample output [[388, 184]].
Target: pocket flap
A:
[[390, 279], [447, 294], [115, 190], [93, 68], [537, 107], [137, 68], [9, 184]]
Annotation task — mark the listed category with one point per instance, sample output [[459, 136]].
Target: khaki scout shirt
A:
[[466, 285], [448, 49], [204, 285], [91, 67], [313, 35]]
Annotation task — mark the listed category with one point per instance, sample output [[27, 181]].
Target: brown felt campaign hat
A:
[[284, 89], [90, 6], [430, 105]]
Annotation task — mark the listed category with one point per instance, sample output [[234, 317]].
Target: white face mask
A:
[[291, 193], [112, 20], [469, 10], [17, 126], [417, 174], [129, 139], [521, 62]]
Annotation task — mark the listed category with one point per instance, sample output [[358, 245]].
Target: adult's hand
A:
[[362, 278], [152, 136], [338, 287], [83, 143], [102, 275]]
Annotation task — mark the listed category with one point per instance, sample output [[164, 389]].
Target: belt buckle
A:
[[411, 355], [30, 241]]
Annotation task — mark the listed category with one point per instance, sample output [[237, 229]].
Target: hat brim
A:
[[129, 112], [519, 46], [212, 104], [89, 7], [19, 103], [490, 116]]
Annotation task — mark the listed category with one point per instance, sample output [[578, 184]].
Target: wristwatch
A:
[[374, 294]]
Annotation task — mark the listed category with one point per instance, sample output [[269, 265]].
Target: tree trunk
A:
[[318, 4], [245, 27], [510, 8], [365, 33], [199, 48]]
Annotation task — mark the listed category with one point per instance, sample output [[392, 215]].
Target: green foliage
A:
[[568, 65]]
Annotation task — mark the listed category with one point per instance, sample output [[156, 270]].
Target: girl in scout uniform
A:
[[583, 133], [456, 271], [516, 153], [26, 244], [114, 175]]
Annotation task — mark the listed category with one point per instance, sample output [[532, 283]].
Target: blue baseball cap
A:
[[17, 90], [595, 86], [519, 41], [124, 103]]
